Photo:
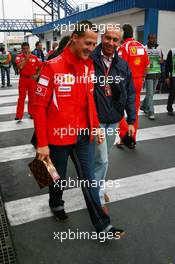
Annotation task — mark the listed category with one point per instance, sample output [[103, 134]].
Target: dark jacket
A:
[[39, 53], [169, 65], [110, 109]]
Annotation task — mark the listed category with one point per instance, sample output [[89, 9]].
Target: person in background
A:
[[135, 54], [38, 51], [45, 53], [62, 44], [14, 53], [170, 79], [5, 60], [54, 47], [28, 66], [152, 78]]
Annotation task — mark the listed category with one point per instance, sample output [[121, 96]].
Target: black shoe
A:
[[2, 86], [117, 233], [171, 113], [111, 233], [18, 120], [143, 109], [61, 215], [9, 85], [129, 141]]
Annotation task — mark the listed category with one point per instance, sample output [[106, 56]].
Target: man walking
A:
[[63, 101], [170, 79], [113, 94], [156, 59], [135, 54]]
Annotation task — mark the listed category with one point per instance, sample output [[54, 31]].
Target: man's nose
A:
[[111, 42]]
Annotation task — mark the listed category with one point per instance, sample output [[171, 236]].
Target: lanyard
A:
[[107, 88], [106, 71]]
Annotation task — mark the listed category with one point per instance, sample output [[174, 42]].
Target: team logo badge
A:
[[137, 61], [133, 51]]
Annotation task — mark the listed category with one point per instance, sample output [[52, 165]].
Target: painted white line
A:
[[17, 152], [156, 132], [27, 151], [8, 99], [5, 110], [156, 97], [33, 208], [8, 92], [12, 125], [15, 91], [159, 109]]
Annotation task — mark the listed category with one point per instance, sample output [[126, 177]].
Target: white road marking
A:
[[156, 97], [9, 99], [33, 208], [27, 151], [5, 110], [8, 92], [7, 126]]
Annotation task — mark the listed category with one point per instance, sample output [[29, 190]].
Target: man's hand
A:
[[100, 135], [131, 130], [167, 81], [43, 153]]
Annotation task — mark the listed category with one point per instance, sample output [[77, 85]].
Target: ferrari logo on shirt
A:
[[133, 51], [137, 61], [68, 79], [64, 79]]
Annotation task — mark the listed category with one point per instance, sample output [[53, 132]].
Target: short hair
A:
[[127, 31], [82, 26], [63, 42], [152, 35], [2, 48], [37, 43], [25, 44]]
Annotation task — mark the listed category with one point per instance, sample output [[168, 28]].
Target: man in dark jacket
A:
[[38, 51], [114, 93], [170, 79]]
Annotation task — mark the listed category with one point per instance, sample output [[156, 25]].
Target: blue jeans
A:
[[5, 70], [148, 104], [101, 156], [83, 152]]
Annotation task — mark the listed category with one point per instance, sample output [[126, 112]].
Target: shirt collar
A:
[[106, 57]]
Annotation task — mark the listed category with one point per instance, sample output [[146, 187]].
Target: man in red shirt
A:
[[135, 54], [66, 120], [28, 65]]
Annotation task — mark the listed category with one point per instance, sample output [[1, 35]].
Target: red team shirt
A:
[[135, 54], [30, 68]]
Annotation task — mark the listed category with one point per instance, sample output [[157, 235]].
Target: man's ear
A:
[[74, 37]]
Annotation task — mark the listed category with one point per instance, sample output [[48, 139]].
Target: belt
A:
[[26, 76]]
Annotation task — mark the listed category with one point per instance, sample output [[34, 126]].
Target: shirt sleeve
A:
[[38, 63], [18, 59], [43, 95], [130, 103]]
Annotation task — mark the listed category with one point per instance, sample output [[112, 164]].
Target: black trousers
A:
[[171, 95], [83, 152]]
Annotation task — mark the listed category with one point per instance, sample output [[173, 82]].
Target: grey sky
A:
[[21, 9]]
